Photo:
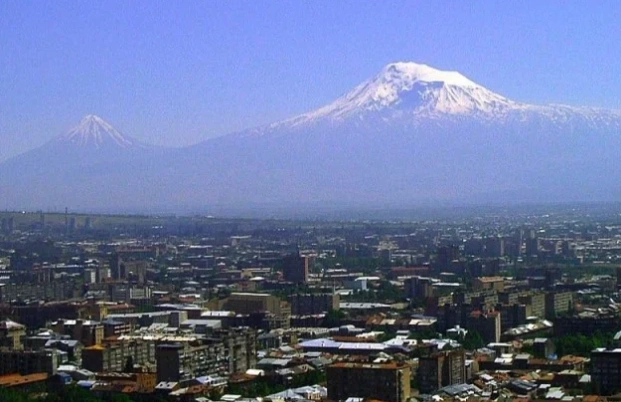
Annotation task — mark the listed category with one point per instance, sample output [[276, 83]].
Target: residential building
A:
[[440, 369], [113, 356], [313, 303], [177, 361], [28, 361], [606, 371], [88, 332], [382, 381], [558, 303], [296, 268]]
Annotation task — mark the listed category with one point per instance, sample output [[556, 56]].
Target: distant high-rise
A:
[[313, 303], [441, 369], [606, 371], [296, 268], [446, 255]]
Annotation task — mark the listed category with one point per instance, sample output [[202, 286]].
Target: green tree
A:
[[473, 340], [334, 318], [9, 395]]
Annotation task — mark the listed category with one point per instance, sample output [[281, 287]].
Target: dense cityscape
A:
[[310, 201], [514, 305]]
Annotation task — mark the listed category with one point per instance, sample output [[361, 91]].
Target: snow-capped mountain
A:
[[93, 131], [411, 94], [91, 164], [417, 90], [410, 135]]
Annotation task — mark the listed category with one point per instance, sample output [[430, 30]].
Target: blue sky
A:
[[176, 73]]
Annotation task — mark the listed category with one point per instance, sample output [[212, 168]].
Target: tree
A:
[[9, 395], [473, 340], [334, 317]]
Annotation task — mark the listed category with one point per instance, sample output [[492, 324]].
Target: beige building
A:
[[249, 303], [113, 356], [496, 283], [11, 334]]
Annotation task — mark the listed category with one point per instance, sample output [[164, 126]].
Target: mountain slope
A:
[[86, 167], [410, 135]]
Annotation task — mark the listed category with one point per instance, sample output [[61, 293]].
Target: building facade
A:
[[440, 369], [388, 382]]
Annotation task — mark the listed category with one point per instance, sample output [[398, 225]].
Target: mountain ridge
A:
[[410, 133]]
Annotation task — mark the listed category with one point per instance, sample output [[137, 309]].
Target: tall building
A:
[[606, 371], [121, 267], [440, 369], [418, 287], [176, 361], [536, 301], [495, 246], [240, 346], [446, 255], [28, 361], [296, 268], [313, 303], [558, 303], [388, 382], [487, 323], [113, 356]]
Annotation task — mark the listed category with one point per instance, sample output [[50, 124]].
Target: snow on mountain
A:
[[431, 89], [407, 93], [94, 131]]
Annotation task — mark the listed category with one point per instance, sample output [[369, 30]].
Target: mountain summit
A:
[[413, 94], [93, 131], [411, 90], [419, 89]]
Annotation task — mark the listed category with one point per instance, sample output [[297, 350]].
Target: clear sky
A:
[[176, 73]]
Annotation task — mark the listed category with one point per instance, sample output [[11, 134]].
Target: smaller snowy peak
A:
[[94, 131]]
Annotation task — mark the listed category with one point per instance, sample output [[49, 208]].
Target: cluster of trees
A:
[[366, 265], [582, 345], [385, 292], [473, 340], [265, 386], [70, 393], [334, 318]]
